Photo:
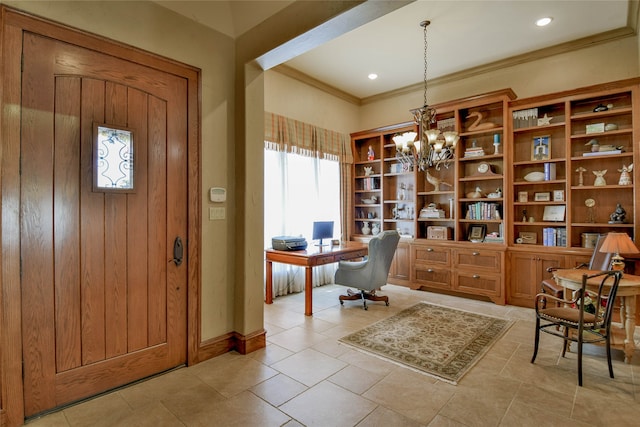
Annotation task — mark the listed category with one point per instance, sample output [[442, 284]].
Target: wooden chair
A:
[[577, 325], [372, 273], [599, 261]]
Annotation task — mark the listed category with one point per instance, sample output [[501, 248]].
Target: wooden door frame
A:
[[13, 24]]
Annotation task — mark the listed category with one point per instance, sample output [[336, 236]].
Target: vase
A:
[[365, 228], [375, 229]]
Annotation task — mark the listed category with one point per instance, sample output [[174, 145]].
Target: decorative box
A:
[[438, 233]]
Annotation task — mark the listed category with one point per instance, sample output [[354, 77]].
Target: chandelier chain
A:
[[425, 24]]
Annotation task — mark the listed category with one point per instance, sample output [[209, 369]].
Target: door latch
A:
[[178, 251]]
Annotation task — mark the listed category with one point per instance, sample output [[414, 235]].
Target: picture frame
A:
[[542, 197], [477, 233], [438, 233], [523, 196], [558, 195], [541, 147], [554, 213]]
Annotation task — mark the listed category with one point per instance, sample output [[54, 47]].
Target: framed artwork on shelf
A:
[[558, 195], [553, 213], [477, 232], [523, 196], [541, 147], [542, 197]]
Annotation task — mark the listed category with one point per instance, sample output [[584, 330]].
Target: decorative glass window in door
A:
[[113, 159]]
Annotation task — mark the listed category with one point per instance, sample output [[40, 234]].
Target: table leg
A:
[[269, 283], [629, 326], [308, 291]]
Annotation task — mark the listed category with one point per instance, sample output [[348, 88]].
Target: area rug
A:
[[435, 340]]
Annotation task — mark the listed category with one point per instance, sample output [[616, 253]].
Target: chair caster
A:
[[386, 303]]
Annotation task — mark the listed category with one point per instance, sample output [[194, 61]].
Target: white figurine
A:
[[625, 175], [600, 181]]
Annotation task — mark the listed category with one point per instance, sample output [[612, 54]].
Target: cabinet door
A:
[[400, 265], [527, 270]]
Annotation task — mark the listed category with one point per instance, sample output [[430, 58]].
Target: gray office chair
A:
[[371, 274]]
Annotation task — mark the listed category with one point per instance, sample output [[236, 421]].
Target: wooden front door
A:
[[102, 302]]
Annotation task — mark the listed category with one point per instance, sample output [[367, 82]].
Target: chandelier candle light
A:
[[433, 148]]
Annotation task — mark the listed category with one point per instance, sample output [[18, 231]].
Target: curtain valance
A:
[[284, 134]]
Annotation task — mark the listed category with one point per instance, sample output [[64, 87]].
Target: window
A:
[[299, 190]]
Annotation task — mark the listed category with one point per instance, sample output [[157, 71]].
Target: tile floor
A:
[[305, 378]]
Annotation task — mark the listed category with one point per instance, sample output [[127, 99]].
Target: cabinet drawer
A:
[[434, 277], [478, 259], [478, 283], [431, 255], [326, 259], [353, 256]]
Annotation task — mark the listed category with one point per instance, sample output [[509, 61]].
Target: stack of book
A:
[[483, 210], [474, 152], [552, 236]]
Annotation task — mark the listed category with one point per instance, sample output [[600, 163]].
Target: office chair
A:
[[371, 274]]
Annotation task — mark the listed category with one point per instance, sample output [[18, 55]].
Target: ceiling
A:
[[463, 34]]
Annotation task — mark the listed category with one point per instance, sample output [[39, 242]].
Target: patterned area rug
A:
[[439, 341]]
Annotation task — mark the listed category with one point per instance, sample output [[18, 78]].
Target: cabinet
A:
[[527, 270], [560, 146]]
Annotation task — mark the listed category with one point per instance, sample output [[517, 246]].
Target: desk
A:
[[628, 289], [308, 259]]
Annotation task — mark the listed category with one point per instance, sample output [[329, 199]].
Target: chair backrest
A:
[[607, 291], [382, 248], [600, 260]]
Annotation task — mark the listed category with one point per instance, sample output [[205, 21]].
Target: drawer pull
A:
[[475, 253], [429, 270], [429, 249], [476, 276]]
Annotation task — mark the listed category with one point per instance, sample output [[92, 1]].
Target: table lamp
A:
[[616, 244]]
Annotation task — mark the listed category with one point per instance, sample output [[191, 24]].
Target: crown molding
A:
[[306, 79]]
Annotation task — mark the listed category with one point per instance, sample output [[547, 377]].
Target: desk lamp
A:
[[616, 244]]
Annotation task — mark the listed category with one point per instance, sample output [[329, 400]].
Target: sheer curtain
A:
[[298, 191], [307, 175]]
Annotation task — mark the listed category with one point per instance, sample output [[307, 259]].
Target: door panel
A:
[[102, 305]]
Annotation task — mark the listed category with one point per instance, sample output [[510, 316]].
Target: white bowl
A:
[[534, 176], [368, 201]]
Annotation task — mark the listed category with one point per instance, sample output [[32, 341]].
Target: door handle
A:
[[178, 251]]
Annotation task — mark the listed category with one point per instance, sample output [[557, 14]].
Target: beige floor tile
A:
[[192, 400], [413, 395], [355, 379], [278, 390], [296, 339], [159, 388], [309, 366], [56, 419], [327, 404], [270, 354], [520, 414], [244, 409], [383, 417], [232, 373], [108, 410]]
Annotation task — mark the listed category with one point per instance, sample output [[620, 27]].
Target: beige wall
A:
[[158, 30], [296, 100]]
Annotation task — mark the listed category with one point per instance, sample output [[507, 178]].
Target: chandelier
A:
[[433, 148]]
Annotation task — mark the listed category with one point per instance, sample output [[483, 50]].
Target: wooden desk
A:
[[628, 289], [308, 259]]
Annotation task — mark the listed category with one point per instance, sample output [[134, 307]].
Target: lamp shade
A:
[[618, 243]]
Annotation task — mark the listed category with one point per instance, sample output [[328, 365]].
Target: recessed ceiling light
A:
[[544, 21], [372, 76]]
